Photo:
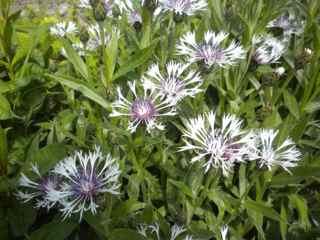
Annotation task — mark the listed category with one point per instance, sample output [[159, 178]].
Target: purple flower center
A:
[[86, 186], [210, 55], [221, 148], [143, 110]]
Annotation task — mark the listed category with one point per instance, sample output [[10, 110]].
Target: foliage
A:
[[53, 103]]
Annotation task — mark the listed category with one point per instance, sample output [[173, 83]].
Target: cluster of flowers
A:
[[74, 185], [76, 182], [223, 147]]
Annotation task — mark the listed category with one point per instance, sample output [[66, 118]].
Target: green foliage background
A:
[[51, 106]]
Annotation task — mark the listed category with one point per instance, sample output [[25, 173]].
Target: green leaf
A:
[[76, 60], [48, 156], [83, 88], [55, 230], [138, 59], [292, 104], [262, 208], [5, 108], [125, 234], [283, 224], [182, 187], [3, 151], [298, 174], [110, 57], [273, 120], [21, 217], [126, 208], [301, 205]]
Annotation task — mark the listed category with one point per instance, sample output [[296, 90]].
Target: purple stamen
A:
[[143, 110]]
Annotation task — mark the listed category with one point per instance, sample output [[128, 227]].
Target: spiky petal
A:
[[62, 29], [37, 189], [218, 147], [85, 178], [268, 154], [142, 109], [183, 7], [175, 83], [211, 50], [267, 49]]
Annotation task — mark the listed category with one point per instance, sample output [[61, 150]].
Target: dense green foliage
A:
[[53, 104]]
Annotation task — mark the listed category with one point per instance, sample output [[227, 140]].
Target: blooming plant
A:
[[160, 119]]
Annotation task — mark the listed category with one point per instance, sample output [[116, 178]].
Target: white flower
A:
[[308, 51], [175, 84], [176, 231], [269, 154], [131, 9], [145, 109], [211, 51], [224, 232], [99, 37], [84, 178], [219, 147], [267, 49], [84, 4], [187, 7], [63, 28], [280, 71], [288, 23], [37, 189]]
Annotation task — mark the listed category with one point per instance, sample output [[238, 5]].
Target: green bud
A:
[[99, 13], [84, 35]]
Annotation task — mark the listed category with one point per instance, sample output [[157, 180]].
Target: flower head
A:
[[85, 178], [280, 71], [186, 7], [288, 23], [268, 49], [84, 4], [219, 147], [268, 154], [145, 109], [37, 189], [131, 9], [63, 28], [99, 37], [175, 84], [211, 51]]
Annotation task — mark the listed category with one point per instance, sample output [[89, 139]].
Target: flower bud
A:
[[84, 35], [99, 13]]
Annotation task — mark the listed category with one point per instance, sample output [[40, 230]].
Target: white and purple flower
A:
[[142, 109], [288, 23], [37, 189], [175, 84], [211, 51], [62, 29], [268, 154], [84, 178], [267, 49], [218, 147], [183, 7], [132, 10]]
